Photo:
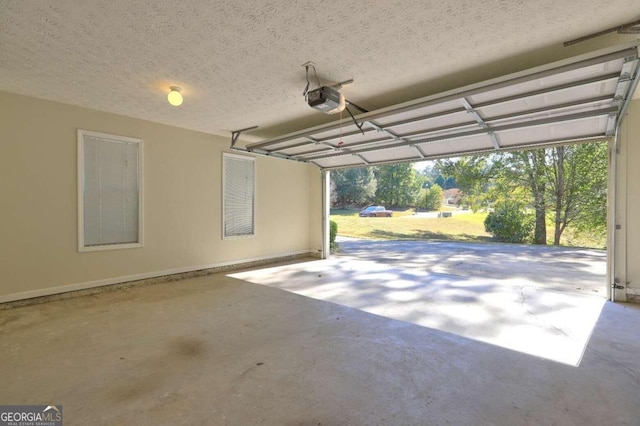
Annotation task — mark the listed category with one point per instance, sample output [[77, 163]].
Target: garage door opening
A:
[[550, 196], [576, 101], [542, 300], [581, 99]]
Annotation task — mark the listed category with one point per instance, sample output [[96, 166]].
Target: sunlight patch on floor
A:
[[509, 313]]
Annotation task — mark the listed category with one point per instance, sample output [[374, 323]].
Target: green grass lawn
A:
[[465, 227], [403, 226]]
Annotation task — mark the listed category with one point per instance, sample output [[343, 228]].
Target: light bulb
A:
[[174, 97]]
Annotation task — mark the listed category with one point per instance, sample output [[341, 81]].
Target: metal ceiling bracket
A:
[[467, 105], [494, 140], [629, 28], [363, 159], [396, 137], [418, 150], [316, 142], [236, 134], [384, 130]]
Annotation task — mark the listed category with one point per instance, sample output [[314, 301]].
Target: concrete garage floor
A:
[[218, 350]]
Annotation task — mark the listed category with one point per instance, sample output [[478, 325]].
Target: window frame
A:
[[252, 160], [81, 134]]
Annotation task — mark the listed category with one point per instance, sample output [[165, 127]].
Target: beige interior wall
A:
[[182, 202], [627, 250]]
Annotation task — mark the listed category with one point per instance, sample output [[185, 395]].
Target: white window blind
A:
[[239, 196], [110, 204]]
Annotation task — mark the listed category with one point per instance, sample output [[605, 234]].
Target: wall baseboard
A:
[[91, 287]]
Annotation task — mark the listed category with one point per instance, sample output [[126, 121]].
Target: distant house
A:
[[452, 196]]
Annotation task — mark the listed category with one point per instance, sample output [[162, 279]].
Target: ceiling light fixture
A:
[[174, 97]]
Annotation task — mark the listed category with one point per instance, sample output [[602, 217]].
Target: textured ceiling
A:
[[239, 62]]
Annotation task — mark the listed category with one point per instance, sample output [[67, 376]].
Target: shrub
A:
[[433, 198], [333, 232], [510, 223]]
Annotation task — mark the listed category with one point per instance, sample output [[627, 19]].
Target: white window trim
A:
[[139, 142], [255, 198]]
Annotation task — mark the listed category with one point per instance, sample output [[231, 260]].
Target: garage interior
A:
[[187, 325]]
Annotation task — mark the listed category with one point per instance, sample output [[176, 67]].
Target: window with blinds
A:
[[109, 191], [239, 183]]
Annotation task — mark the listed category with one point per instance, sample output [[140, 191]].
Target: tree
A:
[[398, 185], [560, 177], [593, 172], [357, 186], [450, 183], [577, 178], [527, 169], [433, 198], [569, 182], [429, 173], [333, 194], [473, 175]]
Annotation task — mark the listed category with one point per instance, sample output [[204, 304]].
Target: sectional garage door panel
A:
[[586, 129], [442, 108], [575, 96], [559, 82], [380, 156], [572, 101], [440, 125], [342, 161], [573, 110], [475, 143]]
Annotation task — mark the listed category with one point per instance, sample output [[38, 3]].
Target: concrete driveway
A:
[[555, 268]]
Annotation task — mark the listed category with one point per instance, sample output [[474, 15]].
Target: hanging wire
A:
[[358, 125]]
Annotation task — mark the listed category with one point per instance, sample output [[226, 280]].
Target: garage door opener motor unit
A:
[[326, 99]]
